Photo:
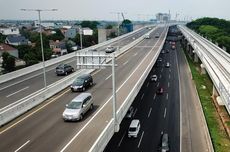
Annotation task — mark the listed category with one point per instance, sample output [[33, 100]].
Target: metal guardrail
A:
[[108, 132], [16, 109], [24, 71], [216, 62]]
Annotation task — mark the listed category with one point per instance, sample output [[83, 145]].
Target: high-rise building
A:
[[163, 17]]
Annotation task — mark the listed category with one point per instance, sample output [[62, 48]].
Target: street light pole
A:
[[40, 31], [43, 58]]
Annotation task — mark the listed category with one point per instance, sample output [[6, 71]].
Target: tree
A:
[[8, 62], [109, 26], [2, 38], [57, 36], [90, 24]]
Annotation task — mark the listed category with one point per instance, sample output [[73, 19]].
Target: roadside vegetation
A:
[[218, 30], [220, 139]]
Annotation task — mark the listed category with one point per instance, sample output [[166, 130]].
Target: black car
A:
[[64, 69], [82, 82]]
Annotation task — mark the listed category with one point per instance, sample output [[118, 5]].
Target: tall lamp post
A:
[[40, 30]]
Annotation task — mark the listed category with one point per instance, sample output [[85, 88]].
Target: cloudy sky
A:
[[103, 9]]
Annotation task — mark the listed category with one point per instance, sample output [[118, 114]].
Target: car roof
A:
[[81, 97], [84, 76], [134, 123]]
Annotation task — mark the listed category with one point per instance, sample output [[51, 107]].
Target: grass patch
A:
[[219, 137]]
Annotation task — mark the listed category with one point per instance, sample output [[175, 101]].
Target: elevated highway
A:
[[43, 129]]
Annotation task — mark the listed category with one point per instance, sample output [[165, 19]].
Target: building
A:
[[9, 31], [70, 33], [6, 48], [163, 17], [58, 47], [16, 40]]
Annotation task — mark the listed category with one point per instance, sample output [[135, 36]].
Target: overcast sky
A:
[[102, 9]]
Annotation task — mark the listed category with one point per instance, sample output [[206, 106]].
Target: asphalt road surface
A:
[[23, 86], [43, 129], [158, 113]]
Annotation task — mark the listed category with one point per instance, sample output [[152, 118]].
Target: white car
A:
[[153, 78], [76, 109], [110, 49], [134, 128], [167, 65]]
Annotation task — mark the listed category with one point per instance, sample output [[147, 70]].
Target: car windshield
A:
[[74, 105], [132, 129], [78, 81], [60, 67]]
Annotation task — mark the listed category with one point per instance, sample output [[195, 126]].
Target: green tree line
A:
[[218, 30]]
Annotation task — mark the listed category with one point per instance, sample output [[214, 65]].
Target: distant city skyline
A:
[[106, 9]]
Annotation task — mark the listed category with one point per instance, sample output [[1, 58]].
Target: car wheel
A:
[[81, 116], [83, 89], [66, 73], [91, 107]]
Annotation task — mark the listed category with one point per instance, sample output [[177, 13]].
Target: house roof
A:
[[5, 47], [16, 39]]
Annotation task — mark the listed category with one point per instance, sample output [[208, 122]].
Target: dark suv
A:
[[64, 69], [82, 82]]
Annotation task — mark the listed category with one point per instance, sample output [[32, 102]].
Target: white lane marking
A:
[[158, 84], [17, 92], [165, 112], [22, 146], [34, 112], [108, 77], [51, 101], [169, 76], [150, 110], [76, 135], [154, 96], [135, 54], [169, 70], [121, 140], [162, 70], [142, 96], [135, 112], [140, 139], [168, 84], [167, 96], [147, 84], [160, 76], [125, 63]]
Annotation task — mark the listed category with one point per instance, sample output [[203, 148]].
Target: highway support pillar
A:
[[203, 71], [214, 92], [196, 59]]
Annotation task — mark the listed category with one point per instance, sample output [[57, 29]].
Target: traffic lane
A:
[[145, 100], [90, 134], [173, 108], [57, 114], [100, 90], [158, 121], [28, 76], [14, 93], [193, 131]]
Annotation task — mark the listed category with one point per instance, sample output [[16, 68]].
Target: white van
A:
[[134, 128], [76, 109]]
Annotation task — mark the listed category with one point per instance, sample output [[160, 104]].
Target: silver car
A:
[[77, 108]]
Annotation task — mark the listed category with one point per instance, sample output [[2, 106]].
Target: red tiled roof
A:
[[5, 47]]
